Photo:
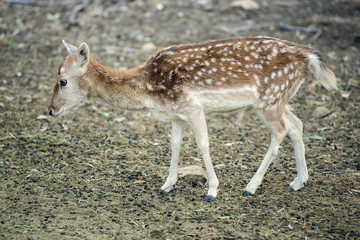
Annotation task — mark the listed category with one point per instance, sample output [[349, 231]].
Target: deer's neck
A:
[[120, 88]]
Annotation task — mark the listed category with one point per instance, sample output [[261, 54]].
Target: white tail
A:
[[181, 83], [321, 73]]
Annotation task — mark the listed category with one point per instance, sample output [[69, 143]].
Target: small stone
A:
[[245, 4], [149, 46], [159, 6], [135, 127], [321, 112]]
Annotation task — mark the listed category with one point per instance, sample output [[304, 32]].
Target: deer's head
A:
[[69, 88]]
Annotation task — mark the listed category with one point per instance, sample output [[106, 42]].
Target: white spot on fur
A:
[[255, 55], [273, 75], [149, 87], [274, 52], [257, 80], [291, 76], [276, 88]]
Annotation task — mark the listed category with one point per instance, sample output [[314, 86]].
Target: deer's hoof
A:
[[247, 193], [208, 198]]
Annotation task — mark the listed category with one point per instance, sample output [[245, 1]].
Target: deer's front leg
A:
[[176, 139], [198, 125]]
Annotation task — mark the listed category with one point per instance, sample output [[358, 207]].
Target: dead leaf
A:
[[43, 129], [229, 144], [220, 166], [119, 119], [42, 117], [345, 95], [196, 159], [53, 17]]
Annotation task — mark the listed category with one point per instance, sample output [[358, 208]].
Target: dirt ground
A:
[[95, 173]]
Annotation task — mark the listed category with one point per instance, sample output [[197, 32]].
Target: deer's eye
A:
[[63, 82]]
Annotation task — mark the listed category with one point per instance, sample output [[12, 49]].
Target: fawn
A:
[[181, 83]]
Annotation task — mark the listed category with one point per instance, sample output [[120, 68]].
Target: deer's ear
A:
[[69, 47], [82, 55]]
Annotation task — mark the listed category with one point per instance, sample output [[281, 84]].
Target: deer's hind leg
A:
[[295, 129], [278, 129]]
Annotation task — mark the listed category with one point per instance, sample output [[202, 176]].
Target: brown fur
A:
[[169, 73]]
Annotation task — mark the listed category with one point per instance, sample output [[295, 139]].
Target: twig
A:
[[209, 234], [317, 31], [254, 26], [4, 138], [44, 3], [37, 74], [11, 135], [28, 2], [135, 50], [72, 18]]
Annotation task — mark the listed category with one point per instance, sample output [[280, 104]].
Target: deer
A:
[[181, 83]]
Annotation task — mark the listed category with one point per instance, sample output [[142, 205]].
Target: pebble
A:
[[245, 4], [149, 46], [321, 112]]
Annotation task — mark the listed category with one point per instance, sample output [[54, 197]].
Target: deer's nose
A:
[[50, 113]]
